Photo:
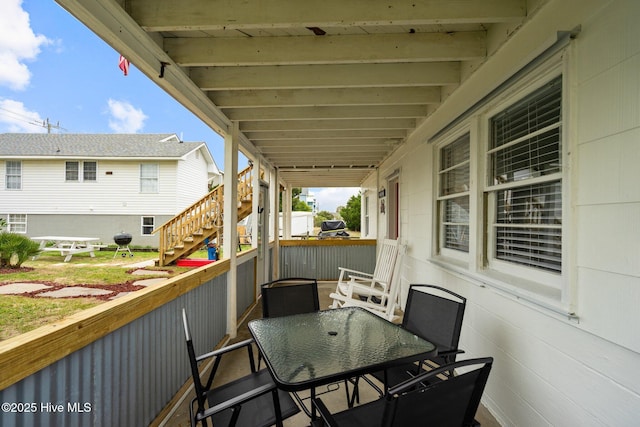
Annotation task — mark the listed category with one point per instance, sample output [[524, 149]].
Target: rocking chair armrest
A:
[[368, 289], [350, 273], [351, 302], [324, 412]]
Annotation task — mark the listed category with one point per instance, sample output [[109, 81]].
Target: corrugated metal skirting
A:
[[322, 262], [125, 378]]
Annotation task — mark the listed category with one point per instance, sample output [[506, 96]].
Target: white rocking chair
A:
[[377, 292]]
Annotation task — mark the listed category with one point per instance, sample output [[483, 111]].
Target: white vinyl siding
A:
[[13, 175], [191, 179], [116, 192]]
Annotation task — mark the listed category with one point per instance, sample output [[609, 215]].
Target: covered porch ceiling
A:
[[322, 90]]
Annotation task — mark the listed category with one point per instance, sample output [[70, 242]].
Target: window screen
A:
[[149, 178], [525, 161], [89, 171], [72, 171], [13, 175], [17, 223], [454, 194], [148, 225]]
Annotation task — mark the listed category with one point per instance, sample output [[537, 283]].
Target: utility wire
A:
[[30, 120]]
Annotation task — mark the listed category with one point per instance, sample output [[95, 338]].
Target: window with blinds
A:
[[525, 180], [453, 196]]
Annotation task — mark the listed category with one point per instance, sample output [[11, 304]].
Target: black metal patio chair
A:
[[294, 295], [250, 401], [419, 401], [289, 296], [435, 314]]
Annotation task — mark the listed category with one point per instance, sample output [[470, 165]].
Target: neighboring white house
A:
[[310, 200], [97, 185]]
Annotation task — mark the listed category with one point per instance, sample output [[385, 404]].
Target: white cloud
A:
[[16, 118], [125, 118], [18, 44], [330, 198]]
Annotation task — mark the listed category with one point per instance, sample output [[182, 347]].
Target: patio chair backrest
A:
[[386, 261], [288, 296], [450, 402], [193, 363], [435, 314]]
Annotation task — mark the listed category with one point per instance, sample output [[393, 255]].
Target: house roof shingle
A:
[[94, 145]]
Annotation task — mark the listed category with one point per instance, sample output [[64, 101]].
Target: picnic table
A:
[[67, 246]]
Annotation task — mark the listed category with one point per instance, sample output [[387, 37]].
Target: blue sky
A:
[[54, 68]]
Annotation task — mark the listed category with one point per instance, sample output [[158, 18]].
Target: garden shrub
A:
[[16, 249]]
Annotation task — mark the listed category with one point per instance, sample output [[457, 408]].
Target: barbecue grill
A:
[[122, 239], [333, 228]]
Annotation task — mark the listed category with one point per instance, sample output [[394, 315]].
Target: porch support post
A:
[[287, 205], [275, 217], [255, 189], [230, 221]]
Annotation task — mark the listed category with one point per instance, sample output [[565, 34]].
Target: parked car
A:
[[333, 228]]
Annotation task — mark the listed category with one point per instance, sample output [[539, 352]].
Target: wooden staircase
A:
[[186, 232]]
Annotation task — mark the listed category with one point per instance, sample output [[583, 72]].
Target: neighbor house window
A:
[[453, 196], [148, 225], [72, 171], [524, 191], [17, 223], [149, 178], [13, 174], [89, 171]]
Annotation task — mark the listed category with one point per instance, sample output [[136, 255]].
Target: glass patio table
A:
[[308, 350]]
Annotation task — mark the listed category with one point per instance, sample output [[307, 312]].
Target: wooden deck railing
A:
[[187, 231]]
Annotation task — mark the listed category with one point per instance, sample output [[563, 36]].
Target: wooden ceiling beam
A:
[[348, 49], [326, 76], [318, 97], [338, 124], [203, 15]]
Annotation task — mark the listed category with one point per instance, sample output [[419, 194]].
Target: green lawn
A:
[[19, 314]]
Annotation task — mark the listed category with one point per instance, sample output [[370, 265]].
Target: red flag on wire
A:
[[124, 65]]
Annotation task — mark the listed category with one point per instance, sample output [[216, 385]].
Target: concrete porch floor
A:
[[234, 367]]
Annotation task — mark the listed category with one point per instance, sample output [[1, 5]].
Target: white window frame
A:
[[8, 175], [535, 280], [143, 225], [17, 223], [149, 183], [80, 172], [551, 291], [84, 172], [76, 171], [441, 199]]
